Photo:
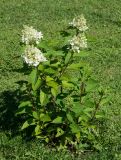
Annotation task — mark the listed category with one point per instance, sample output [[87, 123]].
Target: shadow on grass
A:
[[25, 69], [10, 124], [8, 121]]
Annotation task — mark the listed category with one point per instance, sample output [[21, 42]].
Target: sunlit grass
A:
[[51, 16]]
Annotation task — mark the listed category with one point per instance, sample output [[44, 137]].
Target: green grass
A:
[[51, 16]]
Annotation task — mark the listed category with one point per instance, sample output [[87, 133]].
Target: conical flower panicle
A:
[[33, 56], [78, 42], [30, 35], [79, 23]]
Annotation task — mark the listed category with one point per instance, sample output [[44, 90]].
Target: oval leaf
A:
[[54, 92], [38, 84], [28, 123], [69, 117], [37, 130], [67, 84], [43, 98], [57, 120], [68, 57], [33, 77], [35, 115], [25, 103], [45, 117]]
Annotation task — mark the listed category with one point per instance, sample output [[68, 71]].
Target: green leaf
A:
[[91, 85], [64, 77], [99, 116], [23, 110], [50, 71], [33, 77], [55, 65], [53, 42], [98, 146], [53, 84], [48, 78], [60, 132], [74, 128], [27, 124], [41, 67], [58, 120], [105, 101], [38, 84], [68, 57], [78, 135], [77, 108], [83, 118], [69, 117], [67, 84], [88, 103], [59, 102], [55, 53], [88, 110], [47, 140], [37, 130], [43, 98], [45, 117], [43, 45], [35, 115], [75, 66], [46, 64], [25, 103], [81, 54], [69, 78], [54, 92]]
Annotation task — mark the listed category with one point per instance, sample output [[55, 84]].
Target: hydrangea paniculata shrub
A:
[[60, 100]]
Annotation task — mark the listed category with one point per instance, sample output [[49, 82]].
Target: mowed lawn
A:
[[104, 41]]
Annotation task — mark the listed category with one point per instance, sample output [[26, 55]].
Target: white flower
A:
[[30, 35], [79, 23], [78, 42], [33, 56]]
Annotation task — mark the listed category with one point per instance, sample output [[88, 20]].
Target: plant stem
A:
[[97, 105], [81, 91]]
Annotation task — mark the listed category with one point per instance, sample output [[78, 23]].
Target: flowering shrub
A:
[[60, 99]]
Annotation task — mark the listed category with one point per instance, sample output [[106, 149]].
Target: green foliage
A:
[[62, 110]]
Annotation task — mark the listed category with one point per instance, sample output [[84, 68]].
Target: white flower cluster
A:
[[33, 56], [78, 42], [30, 35], [79, 23]]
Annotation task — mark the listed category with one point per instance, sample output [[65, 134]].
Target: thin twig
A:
[[81, 91], [97, 106]]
